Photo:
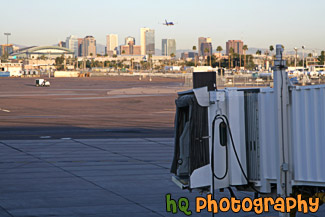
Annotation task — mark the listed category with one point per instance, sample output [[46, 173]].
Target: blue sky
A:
[[259, 23]]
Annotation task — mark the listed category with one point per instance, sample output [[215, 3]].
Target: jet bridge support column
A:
[[281, 88]]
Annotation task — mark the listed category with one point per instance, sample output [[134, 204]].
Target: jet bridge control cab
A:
[[191, 130], [191, 140]]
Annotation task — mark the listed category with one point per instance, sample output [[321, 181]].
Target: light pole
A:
[[303, 57], [49, 63], [150, 62], [7, 34], [296, 49]]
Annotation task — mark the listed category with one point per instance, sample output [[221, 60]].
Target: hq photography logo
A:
[[258, 205]]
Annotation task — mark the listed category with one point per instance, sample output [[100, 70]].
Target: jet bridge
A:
[[267, 140]]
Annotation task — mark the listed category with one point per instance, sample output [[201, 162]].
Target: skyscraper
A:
[[129, 39], [111, 43], [62, 44], [237, 45], [203, 40], [6, 49], [143, 40], [147, 40], [150, 41], [89, 46], [80, 42], [72, 44], [130, 49], [168, 46]]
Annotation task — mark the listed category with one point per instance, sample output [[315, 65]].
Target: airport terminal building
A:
[[49, 52]]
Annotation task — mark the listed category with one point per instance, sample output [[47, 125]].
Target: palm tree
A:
[[321, 58], [266, 55], [210, 59], [194, 49], [150, 60], [219, 49], [132, 59], [231, 52], [245, 48], [271, 48], [172, 55]]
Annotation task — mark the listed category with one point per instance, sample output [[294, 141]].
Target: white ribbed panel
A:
[[267, 140], [308, 133]]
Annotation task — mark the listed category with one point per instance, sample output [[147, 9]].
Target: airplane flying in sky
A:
[[168, 23]]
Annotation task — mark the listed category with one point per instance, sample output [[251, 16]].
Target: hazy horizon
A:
[[258, 23]]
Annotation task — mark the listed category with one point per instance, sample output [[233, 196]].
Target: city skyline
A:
[[292, 23]]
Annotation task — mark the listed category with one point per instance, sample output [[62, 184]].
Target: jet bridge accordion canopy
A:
[[191, 136]]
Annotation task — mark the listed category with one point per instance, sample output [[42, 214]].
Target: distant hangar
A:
[[49, 52]]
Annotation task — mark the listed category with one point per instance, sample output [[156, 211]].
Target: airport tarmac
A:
[[88, 107], [94, 178]]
